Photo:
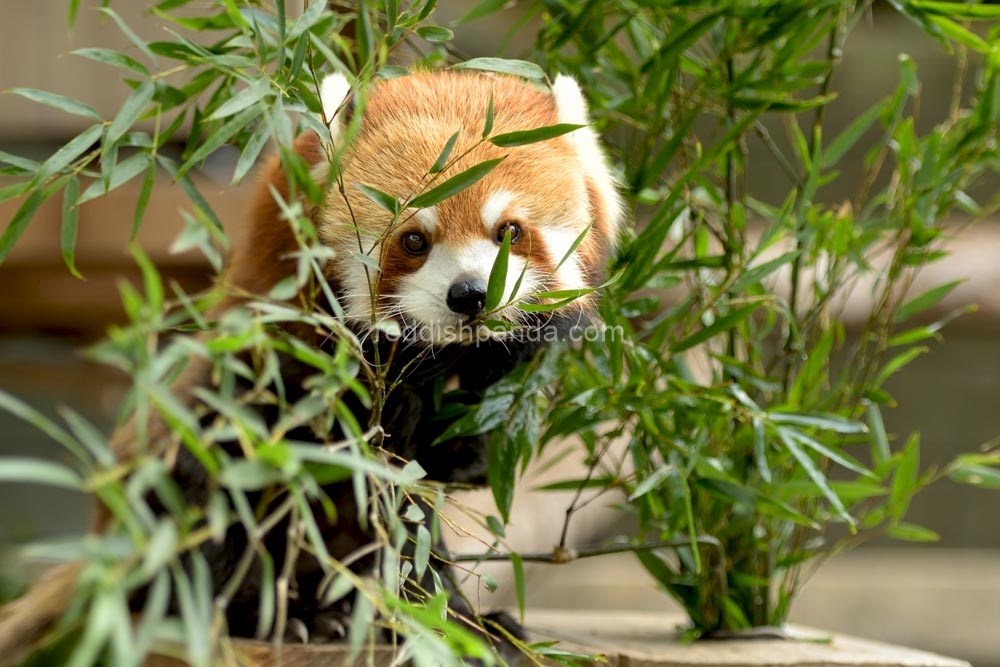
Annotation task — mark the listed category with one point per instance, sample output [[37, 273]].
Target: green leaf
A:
[[975, 474], [36, 471], [130, 112], [61, 102], [834, 423], [880, 441], [498, 275], [517, 566], [422, 551], [844, 141], [435, 34], [70, 220], [904, 481], [113, 58], [817, 477], [383, 199], [68, 153], [721, 325], [249, 475], [911, 532], [521, 68], [442, 159], [925, 301], [652, 482], [20, 221], [252, 94], [454, 185], [524, 137], [958, 10], [490, 117]]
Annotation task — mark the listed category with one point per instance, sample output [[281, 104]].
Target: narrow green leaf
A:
[[251, 151], [61, 102], [490, 117], [904, 481], [961, 34], [20, 221], [844, 141], [143, 200], [925, 301], [123, 172], [252, 94], [818, 478], [435, 34], [68, 153], [216, 139], [976, 474], [139, 43], [524, 137], [442, 159], [130, 112], [911, 532], [958, 10], [70, 220], [161, 547], [421, 552], [678, 40], [517, 565], [880, 441], [498, 275], [36, 471], [722, 324], [834, 423], [652, 482], [113, 58], [383, 199], [521, 68], [454, 185]]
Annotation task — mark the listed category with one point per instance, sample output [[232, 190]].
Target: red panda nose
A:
[[467, 297]]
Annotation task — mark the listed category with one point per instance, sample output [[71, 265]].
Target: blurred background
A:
[[944, 597]]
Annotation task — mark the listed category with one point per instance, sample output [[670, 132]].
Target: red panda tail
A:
[[25, 622]]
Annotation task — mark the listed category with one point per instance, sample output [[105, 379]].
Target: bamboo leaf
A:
[[383, 199], [720, 325], [129, 112], [70, 221], [521, 68], [454, 185], [442, 159], [525, 137], [61, 102], [36, 471], [498, 275], [926, 301]]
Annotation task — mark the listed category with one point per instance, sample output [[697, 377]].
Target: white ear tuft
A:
[[570, 105], [332, 93]]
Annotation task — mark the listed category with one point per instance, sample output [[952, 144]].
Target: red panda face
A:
[[435, 262]]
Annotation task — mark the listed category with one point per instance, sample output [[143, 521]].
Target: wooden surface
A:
[[632, 639], [645, 639]]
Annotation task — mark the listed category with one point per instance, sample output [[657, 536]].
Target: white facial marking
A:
[[428, 218], [558, 241], [495, 206], [423, 294]]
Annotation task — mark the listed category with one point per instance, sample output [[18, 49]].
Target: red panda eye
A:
[[515, 231], [414, 243]]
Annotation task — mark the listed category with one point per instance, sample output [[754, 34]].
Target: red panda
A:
[[555, 200]]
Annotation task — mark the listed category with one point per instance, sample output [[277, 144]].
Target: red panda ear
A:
[[333, 91], [572, 108]]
